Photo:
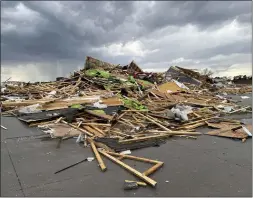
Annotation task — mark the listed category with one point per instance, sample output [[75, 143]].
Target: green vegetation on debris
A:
[[77, 106], [97, 73], [98, 111], [133, 104]]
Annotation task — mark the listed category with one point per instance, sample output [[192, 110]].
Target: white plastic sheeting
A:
[[127, 152], [30, 109], [181, 112], [181, 85], [99, 105], [245, 97], [51, 94]]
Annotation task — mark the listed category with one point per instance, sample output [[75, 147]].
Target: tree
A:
[[207, 72]]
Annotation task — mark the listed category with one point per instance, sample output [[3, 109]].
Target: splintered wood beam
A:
[[193, 126], [99, 130], [135, 158], [120, 116], [198, 121], [101, 145], [78, 128], [79, 124], [158, 164], [133, 110], [130, 169], [145, 138], [176, 132], [97, 124], [91, 130], [58, 120], [139, 183], [128, 122], [153, 169], [151, 120], [98, 157]]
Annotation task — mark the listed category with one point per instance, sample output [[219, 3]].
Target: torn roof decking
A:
[[133, 67], [180, 75], [93, 63]]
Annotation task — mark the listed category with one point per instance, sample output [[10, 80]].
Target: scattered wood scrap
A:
[[115, 108]]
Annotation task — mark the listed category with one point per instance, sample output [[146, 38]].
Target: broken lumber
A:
[[153, 169], [145, 138], [130, 169], [78, 128], [137, 182], [151, 120], [98, 157]]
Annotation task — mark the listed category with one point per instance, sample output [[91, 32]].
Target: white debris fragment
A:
[[228, 109], [90, 159], [51, 94], [99, 105], [247, 131], [3, 127], [245, 97], [181, 85], [30, 109], [127, 152], [181, 111], [79, 139]]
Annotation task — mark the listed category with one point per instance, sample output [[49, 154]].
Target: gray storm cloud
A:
[[43, 39]]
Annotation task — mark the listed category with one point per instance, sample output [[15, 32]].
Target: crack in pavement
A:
[[15, 172], [53, 182]]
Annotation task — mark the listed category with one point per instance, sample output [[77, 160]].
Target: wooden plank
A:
[[159, 116], [161, 126], [58, 120], [78, 128], [97, 124], [130, 169], [193, 126], [195, 122], [132, 110], [128, 122], [138, 182], [153, 169], [99, 130], [79, 124], [99, 159], [135, 158], [176, 132], [91, 130], [145, 138]]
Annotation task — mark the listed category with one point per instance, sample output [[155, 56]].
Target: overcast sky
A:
[[43, 40]]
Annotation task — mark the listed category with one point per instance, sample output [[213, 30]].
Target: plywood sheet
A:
[[239, 133], [169, 87]]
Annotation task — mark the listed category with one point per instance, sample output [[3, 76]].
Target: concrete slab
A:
[[188, 172], [192, 168], [11, 193], [103, 184], [9, 180], [16, 128], [233, 151], [192, 172], [36, 160]]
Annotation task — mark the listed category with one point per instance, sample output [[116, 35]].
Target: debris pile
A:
[[116, 109]]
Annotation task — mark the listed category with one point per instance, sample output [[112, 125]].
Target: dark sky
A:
[[45, 39]]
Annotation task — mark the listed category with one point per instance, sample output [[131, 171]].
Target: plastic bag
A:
[[181, 112]]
